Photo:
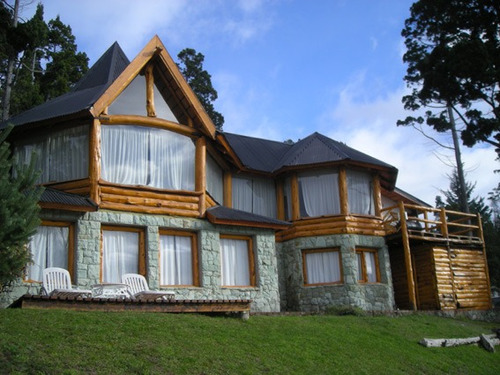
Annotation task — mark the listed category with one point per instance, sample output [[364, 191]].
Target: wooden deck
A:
[[240, 307]]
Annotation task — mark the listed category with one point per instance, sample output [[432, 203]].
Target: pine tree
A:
[[18, 214]]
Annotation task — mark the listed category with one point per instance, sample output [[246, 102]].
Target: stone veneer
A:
[[297, 297], [265, 295]]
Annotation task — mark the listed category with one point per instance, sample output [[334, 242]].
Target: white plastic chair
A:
[[139, 288], [57, 282]]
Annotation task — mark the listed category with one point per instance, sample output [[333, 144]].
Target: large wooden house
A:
[[138, 180]]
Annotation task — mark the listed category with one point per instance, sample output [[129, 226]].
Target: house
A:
[[138, 180]]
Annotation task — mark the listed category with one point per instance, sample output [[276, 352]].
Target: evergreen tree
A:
[[191, 67], [18, 214]]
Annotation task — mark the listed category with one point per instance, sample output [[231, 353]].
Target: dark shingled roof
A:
[[53, 196], [270, 156], [225, 215], [83, 95]]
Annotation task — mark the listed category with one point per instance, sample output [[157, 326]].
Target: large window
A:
[[50, 246], [122, 252], [360, 193], [135, 155], [237, 261], [178, 258], [255, 195], [319, 194], [321, 266], [61, 156], [368, 269]]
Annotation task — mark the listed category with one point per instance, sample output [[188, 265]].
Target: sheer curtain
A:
[[323, 267], [120, 254], [255, 195], [235, 269], [367, 260], [215, 180], [360, 193], [49, 248], [135, 155], [176, 265], [61, 156], [319, 194]]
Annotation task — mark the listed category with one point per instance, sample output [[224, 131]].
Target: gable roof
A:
[[261, 155], [83, 95], [107, 79]]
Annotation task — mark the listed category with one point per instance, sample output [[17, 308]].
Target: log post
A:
[[406, 248], [150, 83], [95, 160], [377, 196], [344, 200], [200, 172], [295, 197], [228, 189], [444, 223]]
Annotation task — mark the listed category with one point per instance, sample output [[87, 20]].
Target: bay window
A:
[[319, 194], [122, 252], [321, 266], [50, 246], [255, 195], [237, 261], [135, 155], [178, 258], [368, 268], [360, 193]]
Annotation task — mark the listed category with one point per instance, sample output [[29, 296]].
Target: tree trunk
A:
[[10, 72]]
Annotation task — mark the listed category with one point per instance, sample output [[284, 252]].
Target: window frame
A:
[[322, 250], [71, 247], [141, 247], [364, 280], [194, 256], [251, 259]]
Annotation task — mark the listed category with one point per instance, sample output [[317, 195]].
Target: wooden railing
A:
[[432, 222]]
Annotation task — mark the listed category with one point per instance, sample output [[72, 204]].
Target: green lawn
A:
[[67, 342]]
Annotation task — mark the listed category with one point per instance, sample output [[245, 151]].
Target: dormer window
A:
[[137, 155]]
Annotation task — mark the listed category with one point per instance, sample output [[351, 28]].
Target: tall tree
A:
[[18, 214], [453, 58], [191, 67]]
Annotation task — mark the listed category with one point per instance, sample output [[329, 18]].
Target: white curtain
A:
[[176, 265], [368, 260], [61, 156], [49, 248], [323, 267], [319, 194], [215, 180], [120, 254], [235, 270], [134, 155], [255, 195], [360, 193]]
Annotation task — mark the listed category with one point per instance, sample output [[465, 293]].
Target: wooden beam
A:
[[148, 121], [344, 201], [228, 189], [407, 256], [150, 84], [294, 183], [377, 195], [95, 160]]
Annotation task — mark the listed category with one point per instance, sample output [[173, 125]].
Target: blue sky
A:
[[287, 68]]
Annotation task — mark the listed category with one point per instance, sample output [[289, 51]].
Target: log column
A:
[[150, 84], [377, 196], [408, 263], [200, 172], [228, 189], [344, 201], [295, 197], [95, 160]]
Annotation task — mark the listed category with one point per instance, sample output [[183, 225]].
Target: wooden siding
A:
[[399, 280], [425, 279], [323, 226]]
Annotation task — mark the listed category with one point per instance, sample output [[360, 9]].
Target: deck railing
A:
[[432, 222]]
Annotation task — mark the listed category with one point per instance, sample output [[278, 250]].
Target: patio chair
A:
[[140, 290], [57, 282]]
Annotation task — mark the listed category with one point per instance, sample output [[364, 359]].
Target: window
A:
[[215, 180], [368, 271], [135, 155], [319, 194], [61, 156], [50, 246], [178, 258], [360, 193], [122, 252], [237, 261], [321, 266], [255, 195]]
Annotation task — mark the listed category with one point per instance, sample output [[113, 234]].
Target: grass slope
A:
[[67, 342]]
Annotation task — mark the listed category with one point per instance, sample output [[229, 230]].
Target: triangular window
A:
[[132, 101]]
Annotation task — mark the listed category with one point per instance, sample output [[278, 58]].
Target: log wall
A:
[[399, 280], [425, 279]]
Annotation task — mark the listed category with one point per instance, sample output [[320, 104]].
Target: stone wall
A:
[[265, 294], [297, 297]]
